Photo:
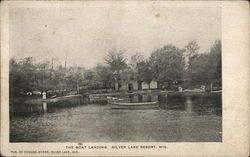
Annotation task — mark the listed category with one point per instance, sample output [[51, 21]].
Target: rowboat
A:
[[137, 105]]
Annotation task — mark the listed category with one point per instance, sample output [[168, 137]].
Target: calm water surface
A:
[[179, 119]]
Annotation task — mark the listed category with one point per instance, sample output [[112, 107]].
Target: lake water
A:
[[178, 119]]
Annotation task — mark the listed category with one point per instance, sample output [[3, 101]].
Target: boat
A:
[[218, 91], [137, 105]]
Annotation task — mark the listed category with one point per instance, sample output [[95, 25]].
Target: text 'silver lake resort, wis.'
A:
[[115, 74]]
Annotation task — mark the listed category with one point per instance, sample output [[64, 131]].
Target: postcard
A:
[[124, 78]]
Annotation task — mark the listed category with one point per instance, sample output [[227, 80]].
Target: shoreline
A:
[[102, 97]]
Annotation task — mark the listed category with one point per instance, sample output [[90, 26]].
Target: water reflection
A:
[[133, 98], [178, 118], [188, 104], [22, 109], [200, 105], [45, 107]]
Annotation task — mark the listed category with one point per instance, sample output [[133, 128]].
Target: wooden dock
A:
[[51, 100]]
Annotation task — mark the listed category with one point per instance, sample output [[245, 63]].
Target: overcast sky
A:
[[86, 34]]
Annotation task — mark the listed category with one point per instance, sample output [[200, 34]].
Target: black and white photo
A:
[[96, 77]]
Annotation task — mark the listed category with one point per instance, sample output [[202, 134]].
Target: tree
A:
[[58, 78], [206, 68], [22, 75], [167, 64], [145, 72], [116, 60], [74, 77], [28, 76], [105, 76], [43, 76], [135, 60], [215, 60], [191, 49], [15, 77], [200, 69]]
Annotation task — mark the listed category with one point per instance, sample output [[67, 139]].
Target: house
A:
[[128, 81], [152, 85]]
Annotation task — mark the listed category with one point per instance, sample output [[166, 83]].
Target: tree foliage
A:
[[135, 60], [116, 60], [105, 76], [28, 76], [167, 64], [206, 67], [145, 72], [191, 48]]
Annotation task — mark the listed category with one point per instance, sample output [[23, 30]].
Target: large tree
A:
[[191, 49], [200, 69], [105, 76], [215, 60], [206, 68], [74, 77], [22, 75], [135, 60], [116, 60], [145, 72], [167, 64]]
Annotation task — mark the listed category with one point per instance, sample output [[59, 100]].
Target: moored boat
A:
[[137, 105]]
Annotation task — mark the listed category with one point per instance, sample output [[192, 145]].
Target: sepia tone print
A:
[[107, 74]]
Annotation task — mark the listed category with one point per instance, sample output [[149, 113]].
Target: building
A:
[[128, 81], [152, 85]]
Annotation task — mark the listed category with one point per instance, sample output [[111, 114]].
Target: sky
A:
[[85, 35]]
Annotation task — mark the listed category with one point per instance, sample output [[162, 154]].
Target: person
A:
[[44, 95], [180, 89]]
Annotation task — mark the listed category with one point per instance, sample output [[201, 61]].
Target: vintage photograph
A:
[[115, 74]]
